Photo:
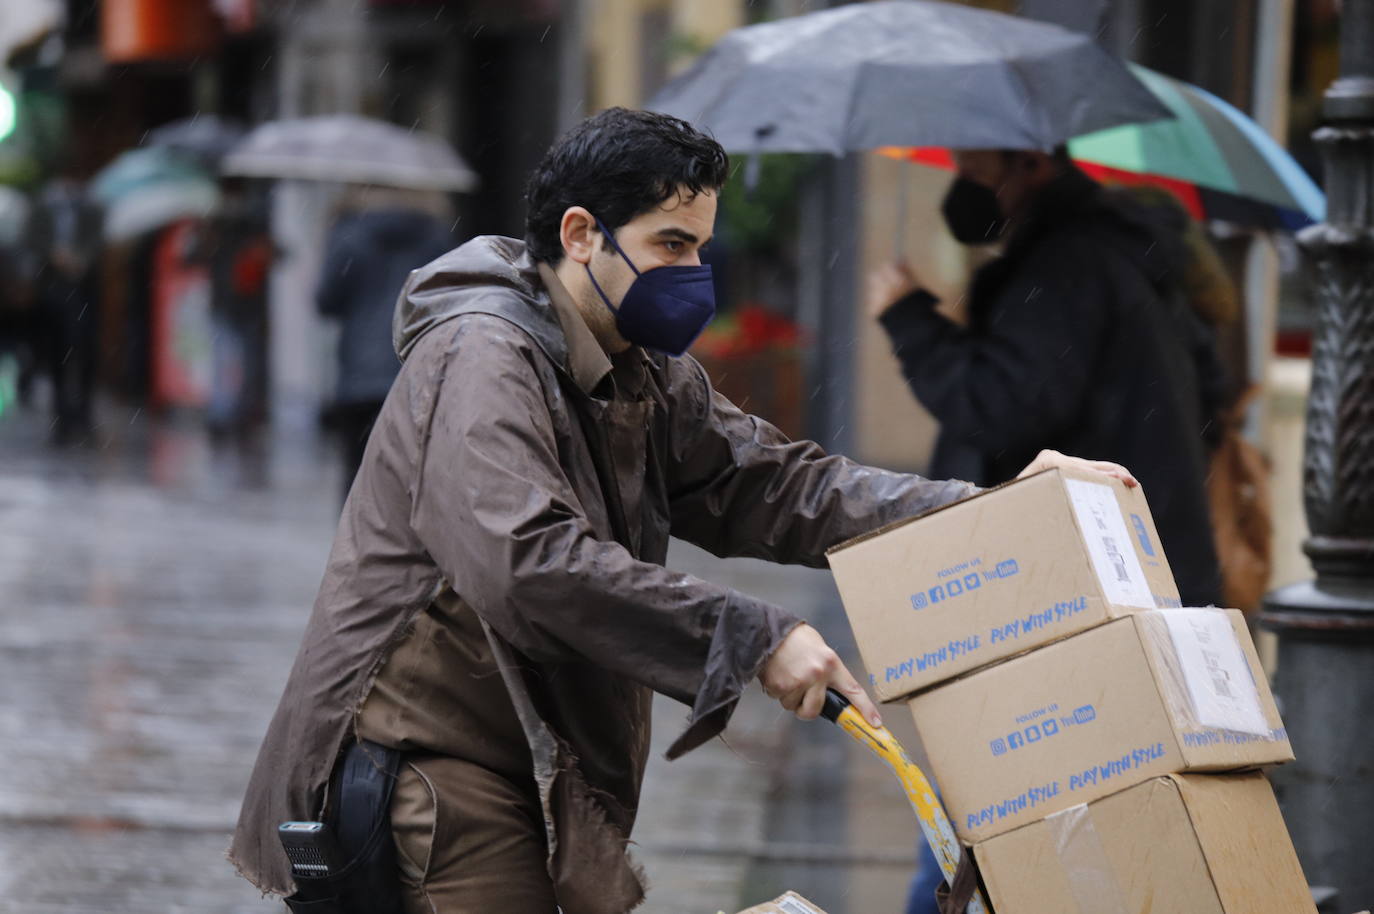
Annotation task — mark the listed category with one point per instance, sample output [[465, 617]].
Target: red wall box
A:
[[137, 30]]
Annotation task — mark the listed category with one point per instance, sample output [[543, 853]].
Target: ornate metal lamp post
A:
[[1326, 627]]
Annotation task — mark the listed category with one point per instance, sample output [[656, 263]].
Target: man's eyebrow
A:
[[677, 234]]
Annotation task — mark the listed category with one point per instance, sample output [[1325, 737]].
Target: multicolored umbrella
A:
[[1218, 162]]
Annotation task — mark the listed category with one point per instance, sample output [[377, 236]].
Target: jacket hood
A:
[[1149, 236], [487, 275]]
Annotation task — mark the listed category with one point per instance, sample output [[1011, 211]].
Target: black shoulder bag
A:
[[358, 826]]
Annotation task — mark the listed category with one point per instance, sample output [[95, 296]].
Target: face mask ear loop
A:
[[607, 232], [596, 285], [588, 267]]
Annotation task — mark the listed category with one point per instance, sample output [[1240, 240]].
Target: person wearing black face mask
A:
[[1078, 338], [972, 212]]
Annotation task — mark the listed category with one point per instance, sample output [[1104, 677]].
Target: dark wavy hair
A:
[[619, 164]]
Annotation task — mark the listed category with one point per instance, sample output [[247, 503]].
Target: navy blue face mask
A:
[[666, 308]]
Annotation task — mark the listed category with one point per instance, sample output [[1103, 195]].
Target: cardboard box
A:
[[1157, 692], [1204, 844], [790, 903], [998, 574]]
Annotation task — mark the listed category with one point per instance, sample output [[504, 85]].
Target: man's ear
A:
[[578, 232]]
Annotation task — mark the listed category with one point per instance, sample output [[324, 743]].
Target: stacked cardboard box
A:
[[1068, 705], [1202, 844]]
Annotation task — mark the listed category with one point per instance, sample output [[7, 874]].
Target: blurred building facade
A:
[[500, 78]]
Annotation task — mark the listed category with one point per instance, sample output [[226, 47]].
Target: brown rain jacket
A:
[[519, 489]]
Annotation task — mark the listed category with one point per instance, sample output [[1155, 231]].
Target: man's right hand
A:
[[802, 668], [889, 284]]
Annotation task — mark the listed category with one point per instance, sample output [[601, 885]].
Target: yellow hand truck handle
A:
[[939, 832]]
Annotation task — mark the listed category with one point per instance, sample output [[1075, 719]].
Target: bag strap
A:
[[953, 898]]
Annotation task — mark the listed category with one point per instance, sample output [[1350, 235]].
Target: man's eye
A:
[[673, 246]]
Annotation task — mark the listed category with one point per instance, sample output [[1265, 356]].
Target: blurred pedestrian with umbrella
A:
[[1010, 93], [380, 235], [1209, 161], [392, 219]]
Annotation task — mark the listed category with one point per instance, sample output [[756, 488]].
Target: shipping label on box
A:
[[1201, 843], [998, 574], [1153, 693]]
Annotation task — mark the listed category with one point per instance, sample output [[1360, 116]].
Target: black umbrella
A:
[[905, 73]]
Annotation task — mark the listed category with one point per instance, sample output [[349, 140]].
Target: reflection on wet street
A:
[[155, 585], [154, 590]]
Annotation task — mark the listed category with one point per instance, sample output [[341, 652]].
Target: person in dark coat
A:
[[66, 232], [1079, 339], [370, 252]]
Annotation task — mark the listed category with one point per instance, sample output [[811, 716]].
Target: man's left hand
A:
[[1047, 460]]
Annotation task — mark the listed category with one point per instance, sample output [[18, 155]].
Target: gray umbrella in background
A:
[[208, 137], [905, 73], [349, 149]]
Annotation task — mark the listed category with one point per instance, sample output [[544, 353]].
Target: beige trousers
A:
[[468, 841]]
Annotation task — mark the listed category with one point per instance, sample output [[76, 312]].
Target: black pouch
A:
[[360, 821]]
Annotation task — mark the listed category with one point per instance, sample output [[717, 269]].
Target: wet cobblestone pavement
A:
[[152, 598], [154, 590]]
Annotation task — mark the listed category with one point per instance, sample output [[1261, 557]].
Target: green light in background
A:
[[6, 113]]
